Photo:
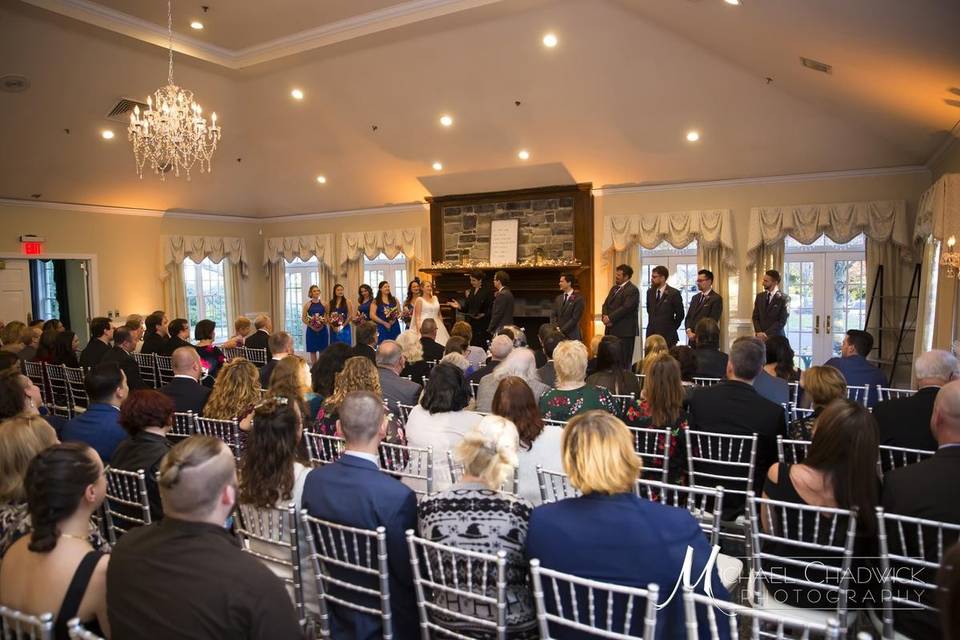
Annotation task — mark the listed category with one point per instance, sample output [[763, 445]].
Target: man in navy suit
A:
[[99, 426], [853, 364], [619, 312], [770, 308], [664, 307], [354, 492], [706, 304]]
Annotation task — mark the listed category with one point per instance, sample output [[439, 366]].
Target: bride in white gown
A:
[[428, 306]]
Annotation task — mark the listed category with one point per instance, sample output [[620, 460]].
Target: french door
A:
[[682, 264], [299, 276], [827, 296]]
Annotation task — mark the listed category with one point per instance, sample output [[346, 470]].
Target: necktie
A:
[[769, 299], [658, 295]]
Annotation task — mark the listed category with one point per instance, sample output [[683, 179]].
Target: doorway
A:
[[46, 289], [682, 265]]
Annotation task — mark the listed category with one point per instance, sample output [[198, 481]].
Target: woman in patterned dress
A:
[[340, 313], [314, 316], [385, 311], [572, 394]]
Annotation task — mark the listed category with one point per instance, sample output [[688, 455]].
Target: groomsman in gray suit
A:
[[770, 308], [568, 309], [706, 304]]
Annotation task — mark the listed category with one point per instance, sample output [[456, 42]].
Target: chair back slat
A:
[[411, 463], [791, 451], [892, 393], [229, 353], [323, 449], [164, 369], [61, 398], [706, 505], [127, 504], [896, 457], [17, 625], [555, 423], [706, 382], [859, 393], [554, 486], [653, 447], [147, 364], [34, 371], [76, 631], [78, 388], [257, 356], [794, 393], [747, 622], [183, 426], [226, 430]]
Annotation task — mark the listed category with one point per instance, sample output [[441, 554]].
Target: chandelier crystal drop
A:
[[171, 134], [950, 259]]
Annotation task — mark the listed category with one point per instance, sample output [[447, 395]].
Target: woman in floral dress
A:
[[572, 394]]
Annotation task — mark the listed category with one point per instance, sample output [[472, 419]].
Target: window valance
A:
[[177, 248], [372, 243], [882, 221], [304, 247], [710, 228], [938, 213]]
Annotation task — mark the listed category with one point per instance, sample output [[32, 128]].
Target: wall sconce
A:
[[950, 259]]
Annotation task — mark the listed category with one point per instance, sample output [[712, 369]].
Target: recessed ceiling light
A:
[[550, 40], [693, 136], [735, 3], [524, 154], [196, 24], [107, 134], [297, 94], [322, 179], [438, 166], [446, 120]]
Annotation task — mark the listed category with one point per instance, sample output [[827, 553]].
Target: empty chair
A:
[[323, 449], [183, 426], [78, 388], [127, 504], [164, 369], [61, 397], [17, 625], [791, 451], [554, 485], [896, 457], [226, 430], [726, 460], [147, 365], [414, 465], [34, 371]]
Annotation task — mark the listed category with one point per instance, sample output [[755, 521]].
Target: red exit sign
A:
[[32, 248]]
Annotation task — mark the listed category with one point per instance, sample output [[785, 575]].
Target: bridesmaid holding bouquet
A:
[[364, 300], [385, 311], [340, 314], [314, 316]]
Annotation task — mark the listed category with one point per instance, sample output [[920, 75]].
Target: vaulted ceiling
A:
[[611, 104]]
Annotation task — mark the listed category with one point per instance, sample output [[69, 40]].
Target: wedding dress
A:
[[432, 310]]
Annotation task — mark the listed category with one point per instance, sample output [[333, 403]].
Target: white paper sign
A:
[[503, 241]]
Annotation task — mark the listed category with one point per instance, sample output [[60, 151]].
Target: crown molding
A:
[[942, 150], [735, 182], [82, 208], [390, 208], [398, 15]]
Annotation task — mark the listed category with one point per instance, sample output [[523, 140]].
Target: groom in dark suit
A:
[[619, 312], [770, 308], [664, 307], [567, 309], [706, 304], [502, 312]]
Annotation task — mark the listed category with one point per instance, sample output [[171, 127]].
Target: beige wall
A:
[[949, 162]]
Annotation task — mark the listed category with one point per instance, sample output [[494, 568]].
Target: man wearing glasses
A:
[[706, 304]]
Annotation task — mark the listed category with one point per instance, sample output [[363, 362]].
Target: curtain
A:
[[768, 256], [712, 258], [356, 245], [233, 282], [927, 303], [304, 247], [713, 228], [897, 273], [175, 249], [174, 293], [276, 279]]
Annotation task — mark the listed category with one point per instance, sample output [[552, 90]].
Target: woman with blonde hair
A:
[[235, 394], [822, 384], [475, 515], [359, 374], [520, 363], [611, 534], [651, 346], [416, 368], [572, 395], [291, 380]]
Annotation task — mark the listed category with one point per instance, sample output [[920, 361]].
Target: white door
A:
[[682, 265], [299, 276], [14, 290]]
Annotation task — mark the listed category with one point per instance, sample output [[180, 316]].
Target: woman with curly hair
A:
[[234, 395], [359, 374], [271, 475]]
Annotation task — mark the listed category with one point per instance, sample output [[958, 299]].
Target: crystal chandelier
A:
[[171, 133], [950, 259]]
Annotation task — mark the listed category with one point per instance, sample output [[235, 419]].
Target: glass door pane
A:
[[683, 276], [799, 284], [849, 307]]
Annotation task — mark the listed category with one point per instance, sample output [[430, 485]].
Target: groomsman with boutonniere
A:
[[664, 307], [707, 303], [770, 308], [567, 309], [619, 312]]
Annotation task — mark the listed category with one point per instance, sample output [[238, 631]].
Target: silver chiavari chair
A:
[[653, 447], [414, 464], [272, 536], [34, 371], [555, 423], [859, 393], [896, 457], [794, 393], [61, 399], [706, 382], [640, 379], [17, 625], [892, 393], [257, 356], [229, 353], [164, 369], [746, 622], [147, 364], [717, 459], [226, 430], [460, 594], [474, 388], [592, 607], [75, 631], [183, 426], [554, 486], [404, 412], [127, 505], [351, 569], [796, 413], [456, 472], [323, 449], [622, 400], [911, 553], [791, 451], [78, 388], [800, 546]]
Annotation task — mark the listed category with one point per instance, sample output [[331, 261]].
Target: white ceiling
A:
[[609, 105]]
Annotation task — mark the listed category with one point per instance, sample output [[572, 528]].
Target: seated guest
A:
[[853, 364], [541, 353], [550, 339], [396, 390], [209, 585], [10, 337], [772, 388], [55, 569], [323, 374], [134, 323], [838, 471], [147, 415], [260, 339], [366, 341], [99, 426], [905, 422], [65, 348], [358, 375], [291, 380], [822, 385], [416, 368], [519, 363], [281, 346], [780, 359], [687, 359], [711, 362], [21, 439], [662, 407], [353, 491], [179, 330], [30, 339], [123, 345], [18, 395], [101, 334], [476, 355], [651, 346], [242, 329], [185, 388], [516, 334], [441, 418], [594, 346], [475, 515], [611, 374], [609, 533], [48, 340], [9, 361], [53, 324], [539, 443], [432, 350], [155, 338], [572, 395], [500, 348], [457, 344], [211, 357], [234, 395], [456, 358], [948, 601], [734, 407]]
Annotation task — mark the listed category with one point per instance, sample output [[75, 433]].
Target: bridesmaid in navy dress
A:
[[413, 292], [340, 306], [364, 300], [385, 311], [314, 316]]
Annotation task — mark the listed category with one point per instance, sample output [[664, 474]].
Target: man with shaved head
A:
[[185, 388], [353, 491], [928, 490], [185, 575], [905, 422]]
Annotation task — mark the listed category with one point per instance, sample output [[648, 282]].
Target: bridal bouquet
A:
[[337, 320], [391, 312], [316, 322]]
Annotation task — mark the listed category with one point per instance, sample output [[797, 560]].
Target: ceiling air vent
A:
[[816, 65], [121, 111]]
